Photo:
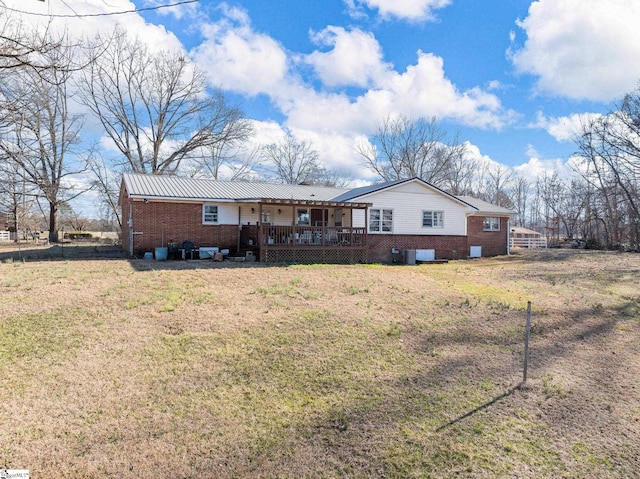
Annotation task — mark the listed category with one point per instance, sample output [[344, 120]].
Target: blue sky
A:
[[512, 77]]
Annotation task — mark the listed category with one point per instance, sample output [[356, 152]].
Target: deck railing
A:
[[326, 236], [540, 242]]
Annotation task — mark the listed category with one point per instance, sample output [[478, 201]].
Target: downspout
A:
[[508, 237], [130, 222], [239, 228]]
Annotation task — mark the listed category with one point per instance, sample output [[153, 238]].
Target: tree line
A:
[[156, 111]]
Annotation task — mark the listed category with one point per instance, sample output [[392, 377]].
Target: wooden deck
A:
[[306, 244]]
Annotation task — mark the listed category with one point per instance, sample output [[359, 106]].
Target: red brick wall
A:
[[447, 247], [160, 222], [493, 242]]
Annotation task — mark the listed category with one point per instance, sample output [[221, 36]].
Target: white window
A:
[[432, 219], [267, 216], [491, 224], [210, 214], [303, 217], [381, 220]]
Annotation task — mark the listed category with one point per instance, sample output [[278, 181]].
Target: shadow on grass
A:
[[480, 408], [558, 254], [61, 251], [153, 265]]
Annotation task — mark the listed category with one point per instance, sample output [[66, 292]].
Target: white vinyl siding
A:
[[409, 200], [282, 215], [358, 218], [227, 214]]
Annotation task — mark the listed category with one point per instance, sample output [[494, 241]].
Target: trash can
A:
[[409, 256]]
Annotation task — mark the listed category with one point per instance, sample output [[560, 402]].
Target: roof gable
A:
[[360, 193], [485, 207]]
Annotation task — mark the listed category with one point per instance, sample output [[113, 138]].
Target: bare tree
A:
[[22, 48], [498, 185], [17, 197], [107, 183], [461, 173], [406, 148], [40, 132], [520, 190], [565, 206], [227, 161], [610, 149], [155, 106], [293, 162], [335, 178]]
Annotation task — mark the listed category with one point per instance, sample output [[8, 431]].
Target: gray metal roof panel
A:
[[365, 190], [140, 185], [486, 207]]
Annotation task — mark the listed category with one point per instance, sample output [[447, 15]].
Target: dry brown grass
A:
[[139, 369]]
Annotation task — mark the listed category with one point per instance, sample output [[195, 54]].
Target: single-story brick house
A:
[[309, 223]]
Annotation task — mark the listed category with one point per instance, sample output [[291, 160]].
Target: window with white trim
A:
[[210, 214], [491, 223], [267, 216], [303, 217], [433, 219], [380, 220]]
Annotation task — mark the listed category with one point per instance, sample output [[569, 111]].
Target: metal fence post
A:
[[527, 335]]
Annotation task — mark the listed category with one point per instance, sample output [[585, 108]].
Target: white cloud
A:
[[565, 128], [355, 58], [238, 59], [421, 91], [338, 152], [532, 152], [247, 62], [412, 10], [335, 149], [424, 90], [72, 20], [581, 49], [536, 168], [483, 163]]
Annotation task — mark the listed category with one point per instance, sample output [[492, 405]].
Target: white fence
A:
[[5, 236], [540, 242]]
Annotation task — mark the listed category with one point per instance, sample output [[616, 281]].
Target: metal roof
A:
[[173, 187], [178, 188], [365, 190], [486, 207]]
